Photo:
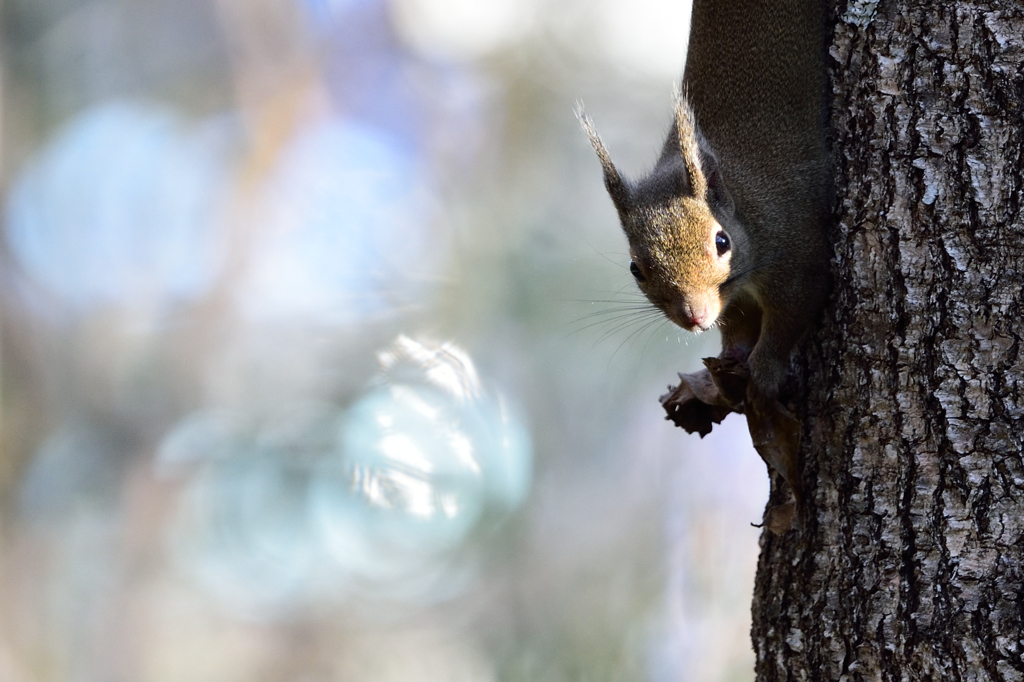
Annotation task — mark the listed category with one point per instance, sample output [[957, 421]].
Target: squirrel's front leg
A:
[[788, 308], [769, 359], [774, 431], [741, 327]]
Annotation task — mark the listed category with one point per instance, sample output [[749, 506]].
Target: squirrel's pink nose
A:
[[694, 317]]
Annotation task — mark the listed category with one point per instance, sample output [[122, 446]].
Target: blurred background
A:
[[320, 358]]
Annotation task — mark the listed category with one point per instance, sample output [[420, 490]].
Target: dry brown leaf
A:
[[695, 404], [731, 377], [776, 437]]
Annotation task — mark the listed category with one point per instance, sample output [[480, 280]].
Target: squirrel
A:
[[728, 229]]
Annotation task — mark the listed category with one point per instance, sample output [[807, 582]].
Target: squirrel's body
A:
[[729, 227]]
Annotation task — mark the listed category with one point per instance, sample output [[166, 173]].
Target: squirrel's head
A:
[[680, 224]]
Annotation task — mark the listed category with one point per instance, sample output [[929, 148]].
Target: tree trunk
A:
[[910, 565]]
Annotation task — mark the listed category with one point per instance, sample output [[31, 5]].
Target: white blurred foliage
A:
[[417, 656], [373, 503], [462, 29], [444, 365], [123, 207], [648, 36], [344, 230], [717, 488]]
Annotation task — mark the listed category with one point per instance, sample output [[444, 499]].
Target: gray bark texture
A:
[[910, 563]]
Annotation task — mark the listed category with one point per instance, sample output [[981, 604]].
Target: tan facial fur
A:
[[670, 226], [674, 248]]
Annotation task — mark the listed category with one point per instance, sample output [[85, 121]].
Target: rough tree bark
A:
[[910, 565]]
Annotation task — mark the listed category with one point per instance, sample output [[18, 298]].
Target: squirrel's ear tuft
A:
[[613, 181], [686, 129]]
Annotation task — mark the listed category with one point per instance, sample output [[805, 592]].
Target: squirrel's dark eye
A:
[[722, 243], [635, 269]]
